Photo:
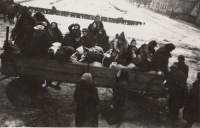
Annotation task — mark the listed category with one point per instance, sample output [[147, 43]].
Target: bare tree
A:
[[175, 4]]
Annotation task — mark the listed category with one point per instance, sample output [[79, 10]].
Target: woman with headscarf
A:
[[58, 34], [95, 26], [102, 40], [87, 99], [39, 17], [161, 57]]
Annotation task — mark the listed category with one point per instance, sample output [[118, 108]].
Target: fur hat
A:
[[87, 77]]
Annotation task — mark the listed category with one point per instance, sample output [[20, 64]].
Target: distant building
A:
[[196, 12], [160, 5]]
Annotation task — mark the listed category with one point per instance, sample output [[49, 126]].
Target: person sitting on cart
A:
[[144, 56], [38, 42], [191, 112], [87, 99], [39, 17], [124, 57], [58, 34], [86, 40], [101, 39], [95, 26]]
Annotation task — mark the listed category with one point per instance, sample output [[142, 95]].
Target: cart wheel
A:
[[21, 93]]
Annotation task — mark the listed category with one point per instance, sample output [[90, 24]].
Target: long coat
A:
[[58, 34], [178, 91], [87, 98], [191, 112]]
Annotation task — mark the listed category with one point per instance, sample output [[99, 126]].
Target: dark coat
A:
[[161, 57], [183, 67], [87, 41], [87, 98], [102, 41], [69, 40], [125, 58], [160, 60], [58, 34], [120, 96], [178, 91], [23, 27], [37, 44], [191, 111], [94, 31]]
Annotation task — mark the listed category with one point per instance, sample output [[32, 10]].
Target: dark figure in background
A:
[[120, 95], [54, 10], [182, 66], [161, 57], [74, 27], [95, 26], [191, 112], [178, 91], [101, 39], [23, 27], [39, 17], [86, 39], [58, 34], [86, 95]]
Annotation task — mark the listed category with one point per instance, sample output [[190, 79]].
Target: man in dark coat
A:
[[86, 39], [191, 112], [58, 34], [161, 57], [86, 95], [178, 91], [182, 66], [95, 26], [120, 95], [102, 40], [23, 27]]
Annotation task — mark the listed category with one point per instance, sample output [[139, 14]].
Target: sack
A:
[[94, 54]]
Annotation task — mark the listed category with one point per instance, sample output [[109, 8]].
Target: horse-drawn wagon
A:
[[31, 72]]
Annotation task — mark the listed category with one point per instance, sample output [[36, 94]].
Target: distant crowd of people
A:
[[34, 36], [54, 11]]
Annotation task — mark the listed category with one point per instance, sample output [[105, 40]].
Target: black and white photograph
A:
[[100, 63]]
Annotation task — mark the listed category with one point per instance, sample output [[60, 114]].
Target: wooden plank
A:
[[71, 73]]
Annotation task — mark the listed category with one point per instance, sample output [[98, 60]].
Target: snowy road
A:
[[51, 103]]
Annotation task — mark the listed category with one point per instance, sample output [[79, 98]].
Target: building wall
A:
[[159, 5]]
